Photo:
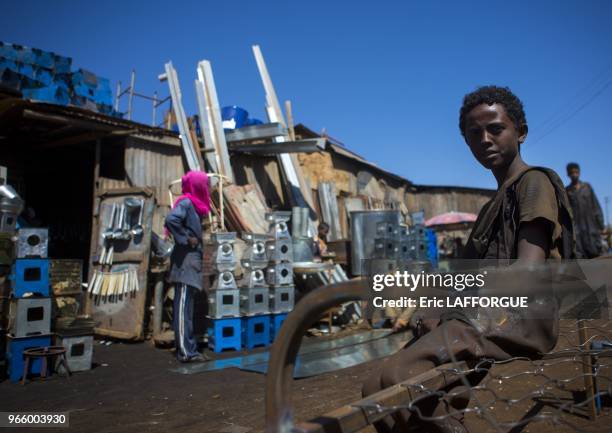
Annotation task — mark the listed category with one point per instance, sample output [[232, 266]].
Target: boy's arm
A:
[[533, 244]]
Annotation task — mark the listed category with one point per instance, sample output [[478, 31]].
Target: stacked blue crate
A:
[[225, 334], [276, 321], [14, 355], [46, 76], [256, 331]]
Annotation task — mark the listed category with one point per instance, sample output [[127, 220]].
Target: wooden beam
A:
[[362, 413], [69, 141], [289, 113]]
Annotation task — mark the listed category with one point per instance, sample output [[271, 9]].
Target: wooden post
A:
[[289, 113], [93, 247], [587, 369]]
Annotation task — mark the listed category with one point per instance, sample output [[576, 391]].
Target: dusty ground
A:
[[131, 389]]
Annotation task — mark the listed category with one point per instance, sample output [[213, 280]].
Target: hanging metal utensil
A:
[[137, 230], [117, 232], [106, 234]]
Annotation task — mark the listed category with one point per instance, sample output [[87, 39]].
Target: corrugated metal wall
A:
[[154, 165], [438, 202]]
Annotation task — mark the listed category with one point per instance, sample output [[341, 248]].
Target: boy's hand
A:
[[193, 242]]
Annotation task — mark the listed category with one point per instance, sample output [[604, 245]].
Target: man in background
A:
[[588, 216]]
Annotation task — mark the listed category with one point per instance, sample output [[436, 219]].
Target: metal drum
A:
[[309, 276], [366, 228]]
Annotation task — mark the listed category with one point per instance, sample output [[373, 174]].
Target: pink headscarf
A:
[[195, 188]]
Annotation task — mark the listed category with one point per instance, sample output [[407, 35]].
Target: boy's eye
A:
[[495, 129]]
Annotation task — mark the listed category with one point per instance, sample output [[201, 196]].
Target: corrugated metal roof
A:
[[343, 151], [12, 106]]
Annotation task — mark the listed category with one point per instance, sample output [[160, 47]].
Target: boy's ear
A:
[[524, 129]]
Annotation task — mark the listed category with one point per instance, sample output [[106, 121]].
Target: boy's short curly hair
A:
[[493, 95]]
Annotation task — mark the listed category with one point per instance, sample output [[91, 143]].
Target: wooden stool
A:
[[44, 353]]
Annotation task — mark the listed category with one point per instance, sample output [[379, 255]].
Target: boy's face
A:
[[492, 136]]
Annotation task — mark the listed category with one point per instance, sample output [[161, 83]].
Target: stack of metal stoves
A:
[[255, 292], [224, 330], [279, 273], [29, 317]]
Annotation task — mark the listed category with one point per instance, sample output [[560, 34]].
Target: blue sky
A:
[[386, 77]]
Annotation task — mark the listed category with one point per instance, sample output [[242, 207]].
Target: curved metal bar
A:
[[279, 413]]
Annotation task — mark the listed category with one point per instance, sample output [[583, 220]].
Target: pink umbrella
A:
[[451, 218]]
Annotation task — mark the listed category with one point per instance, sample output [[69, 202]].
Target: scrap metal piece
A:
[[300, 146], [255, 132], [314, 364], [32, 243], [318, 346], [175, 92]]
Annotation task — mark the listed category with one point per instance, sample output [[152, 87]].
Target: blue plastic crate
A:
[[43, 58], [276, 321], [14, 355], [62, 64], [53, 94], [44, 75], [85, 78], [30, 275], [27, 70], [84, 90], [6, 63], [256, 331], [224, 334], [6, 50]]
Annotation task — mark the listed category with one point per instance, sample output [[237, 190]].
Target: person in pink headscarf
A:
[[184, 223]]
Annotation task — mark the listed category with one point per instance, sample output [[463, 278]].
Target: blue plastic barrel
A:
[[234, 117], [253, 122]]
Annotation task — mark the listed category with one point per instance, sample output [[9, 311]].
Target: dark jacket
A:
[[183, 222]]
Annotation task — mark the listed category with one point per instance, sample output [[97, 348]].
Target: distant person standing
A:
[[588, 216], [184, 222]]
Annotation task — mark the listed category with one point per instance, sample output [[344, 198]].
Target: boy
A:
[[528, 220]]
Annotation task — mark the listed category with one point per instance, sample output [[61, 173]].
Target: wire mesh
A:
[[566, 388]]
